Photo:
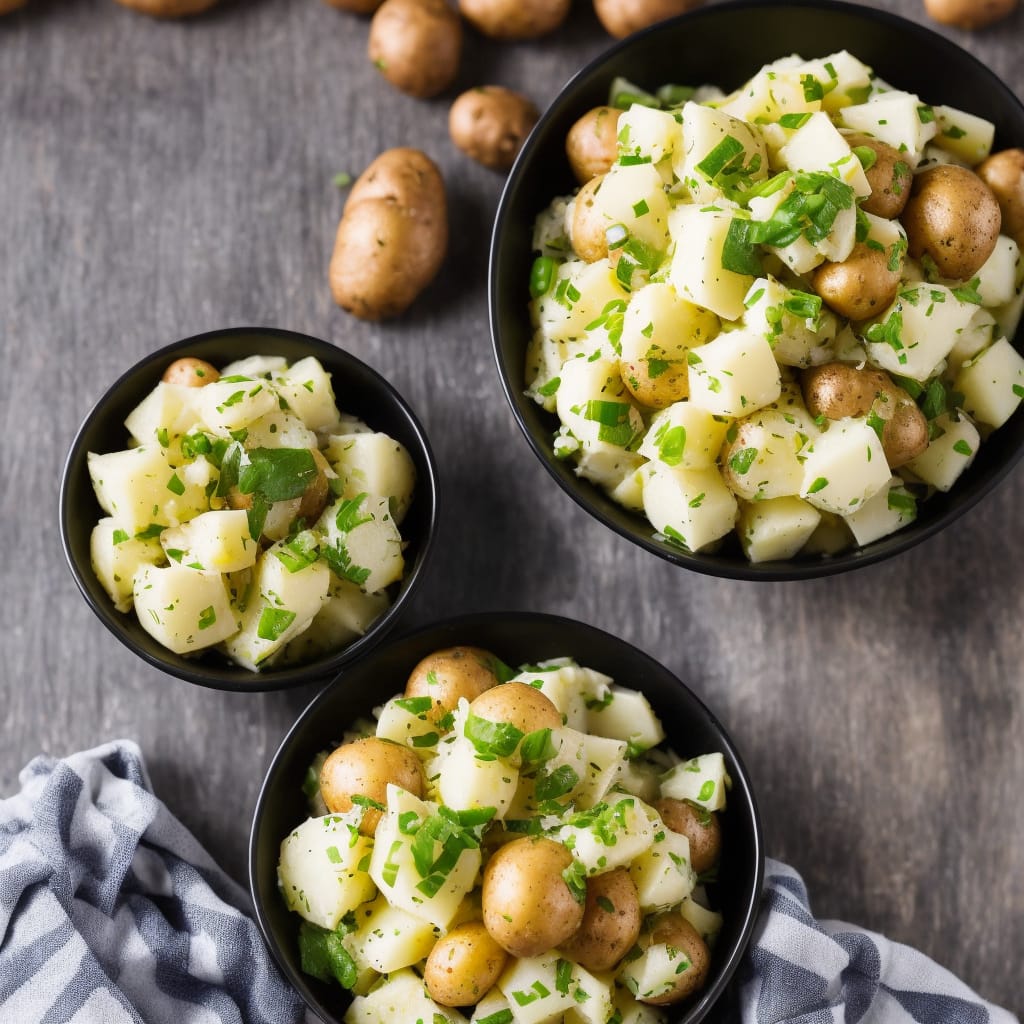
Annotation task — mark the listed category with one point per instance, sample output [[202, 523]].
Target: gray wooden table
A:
[[160, 180]]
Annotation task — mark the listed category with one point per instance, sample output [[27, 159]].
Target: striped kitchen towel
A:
[[804, 971], [112, 913]]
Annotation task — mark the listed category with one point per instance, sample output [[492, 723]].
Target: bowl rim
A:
[[578, 489], [224, 677], [742, 789]]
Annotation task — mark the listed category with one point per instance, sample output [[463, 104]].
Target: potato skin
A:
[[623, 17], [365, 767], [952, 217], [606, 935], [463, 965], [168, 8], [451, 673], [656, 391], [674, 930], [191, 372], [355, 6], [527, 906], [837, 390], [890, 177], [392, 237], [520, 705], [701, 827], [589, 240], [969, 14], [490, 124], [1004, 174], [515, 19], [592, 144], [416, 45], [861, 286]]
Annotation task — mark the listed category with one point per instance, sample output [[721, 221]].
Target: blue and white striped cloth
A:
[[112, 913]]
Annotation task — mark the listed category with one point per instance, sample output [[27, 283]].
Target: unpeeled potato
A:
[[6, 6], [592, 144], [969, 14], [623, 17], [416, 45], [515, 19], [166, 8], [1004, 174], [490, 123], [356, 6]]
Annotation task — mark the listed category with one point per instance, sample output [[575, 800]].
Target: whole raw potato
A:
[[416, 45], [490, 124], [623, 17], [528, 907], [515, 19], [450, 674], [1004, 174], [6, 6], [356, 6], [953, 218], [167, 8], [592, 144], [392, 237], [969, 14]]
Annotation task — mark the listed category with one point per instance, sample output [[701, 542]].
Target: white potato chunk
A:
[[530, 986], [817, 146], [714, 141], [845, 80], [634, 196], [632, 1012], [594, 405], [625, 715], [346, 615], [685, 435], [663, 874], [644, 131], [947, 455], [770, 94], [577, 297], [116, 557], [464, 781], [844, 467], [997, 278], [653, 973], [184, 610], [213, 542], [376, 464], [231, 403], [767, 452], [255, 366], [658, 324], [780, 314], [279, 429], [966, 136], [707, 923], [389, 939], [401, 997], [322, 869], [892, 508], [691, 507], [364, 544], [168, 409], [306, 388], [620, 834], [734, 374], [896, 118], [977, 336], [702, 779], [776, 529], [992, 383]]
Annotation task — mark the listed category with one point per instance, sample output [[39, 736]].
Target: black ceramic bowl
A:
[[724, 45], [517, 638], [359, 390]]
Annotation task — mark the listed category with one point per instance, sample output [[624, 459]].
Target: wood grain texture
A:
[[160, 180]]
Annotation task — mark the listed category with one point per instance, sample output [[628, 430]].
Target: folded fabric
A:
[[804, 971], [111, 912]]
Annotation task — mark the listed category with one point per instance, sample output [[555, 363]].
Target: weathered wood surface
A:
[[160, 180]]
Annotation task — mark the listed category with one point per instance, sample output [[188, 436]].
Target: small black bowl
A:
[[360, 391], [516, 637], [724, 45]]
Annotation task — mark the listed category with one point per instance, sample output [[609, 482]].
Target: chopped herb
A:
[[273, 622], [819, 485], [119, 537], [794, 120], [904, 504], [969, 292], [741, 462], [550, 388], [323, 955], [342, 179], [962, 448], [174, 485], [207, 617], [541, 275]]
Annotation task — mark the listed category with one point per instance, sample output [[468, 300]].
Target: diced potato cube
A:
[[322, 869], [183, 610], [707, 923], [576, 298], [663, 874], [491, 1008], [592, 996], [714, 141], [255, 366], [594, 759], [997, 278], [734, 374], [167, 408], [619, 834], [608, 465], [346, 614], [852, 79], [770, 94], [569, 687], [898, 118], [702, 779], [775, 311], [817, 146], [967, 136], [658, 324], [653, 973], [402, 997], [465, 781], [693, 508], [696, 271], [892, 508], [401, 720], [231, 404], [973, 339], [306, 387], [375, 464], [595, 406], [389, 939], [640, 779], [279, 429], [947, 455], [767, 451], [116, 557], [830, 537], [992, 383], [627, 716], [776, 529], [280, 605], [685, 435], [213, 542], [530, 985], [634, 196], [632, 1012], [364, 544], [845, 467], [644, 131]]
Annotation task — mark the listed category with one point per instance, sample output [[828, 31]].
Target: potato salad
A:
[[785, 312], [508, 847], [249, 515]]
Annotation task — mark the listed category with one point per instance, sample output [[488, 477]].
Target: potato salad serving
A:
[[786, 312], [508, 847], [250, 515]]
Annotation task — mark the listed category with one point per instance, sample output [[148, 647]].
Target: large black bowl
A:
[[359, 390], [725, 45], [516, 637]]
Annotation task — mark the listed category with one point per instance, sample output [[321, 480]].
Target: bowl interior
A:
[[724, 45], [516, 638], [359, 390]]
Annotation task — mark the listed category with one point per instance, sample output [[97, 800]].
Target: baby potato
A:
[[1004, 174], [6, 6], [490, 124], [356, 6], [969, 14], [611, 922], [656, 383], [838, 390], [589, 240], [364, 768], [168, 8], [592, 144], [392, 237], [191, 372], [860, 286], [515, 19], [623, 17], [700, 826], [452, 673], [890, 177], [518, 704], [675, 931], [952, 217], [463, 965], [528, 908], [416, 45]]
